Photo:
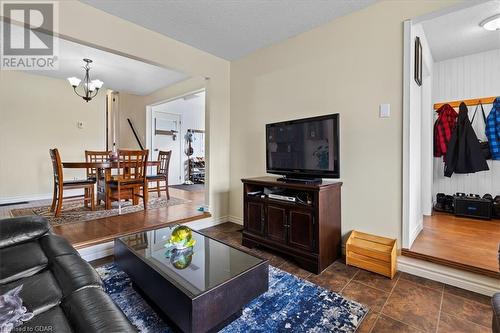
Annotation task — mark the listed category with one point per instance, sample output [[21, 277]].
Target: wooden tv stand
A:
[[307, 230]]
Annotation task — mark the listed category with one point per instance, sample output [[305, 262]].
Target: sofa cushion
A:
[[53, 320], [21, 229], [55, 246], [92, 310], [21, 261], [73, 273], [40, 292]]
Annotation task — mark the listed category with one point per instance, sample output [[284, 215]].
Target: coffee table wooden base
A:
[[209, 311], [172, 325]]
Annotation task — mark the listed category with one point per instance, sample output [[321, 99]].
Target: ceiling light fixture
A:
[[491, 23], [90, 87]]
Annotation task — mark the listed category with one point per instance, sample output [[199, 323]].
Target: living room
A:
[[256, 68]]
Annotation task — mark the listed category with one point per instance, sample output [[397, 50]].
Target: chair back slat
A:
[[96, 156], [56, 166], [133, 163], [164, 159]]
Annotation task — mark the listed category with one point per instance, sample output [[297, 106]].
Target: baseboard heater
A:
[[13, 203]]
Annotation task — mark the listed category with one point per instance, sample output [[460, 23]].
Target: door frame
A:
[[406, 233], [149, 117], [407, 69]]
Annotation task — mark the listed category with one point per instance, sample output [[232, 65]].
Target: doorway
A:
[[461, 67], [179, 124]]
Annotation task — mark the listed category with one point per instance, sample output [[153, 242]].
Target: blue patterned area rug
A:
[[290, 305]]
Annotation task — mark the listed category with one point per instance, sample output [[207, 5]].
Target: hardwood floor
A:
[[94, 232], [462, 243]]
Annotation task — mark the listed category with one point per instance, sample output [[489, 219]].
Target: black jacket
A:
[[464, 153]]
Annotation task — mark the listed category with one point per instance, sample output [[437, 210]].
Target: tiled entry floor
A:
[[405, 304]]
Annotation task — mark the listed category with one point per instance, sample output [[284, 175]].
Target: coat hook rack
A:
[[468, 102]]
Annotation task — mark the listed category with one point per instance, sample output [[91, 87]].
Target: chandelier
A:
[[90, 88]]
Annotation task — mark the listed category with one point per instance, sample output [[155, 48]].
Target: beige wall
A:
[[110, 32], [349, 66], [176, 90], [38, 113], [134, 107]]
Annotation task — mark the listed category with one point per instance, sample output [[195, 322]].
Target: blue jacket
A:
[[493, 129]]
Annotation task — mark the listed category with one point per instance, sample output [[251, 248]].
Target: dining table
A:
[[104, 168]]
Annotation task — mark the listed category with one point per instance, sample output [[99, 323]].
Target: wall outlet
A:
[[79, 124], [384, 110]]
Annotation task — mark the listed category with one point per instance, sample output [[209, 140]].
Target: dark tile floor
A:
[[406, 303]]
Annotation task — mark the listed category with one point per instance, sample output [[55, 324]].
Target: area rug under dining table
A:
[[290, 305], [74, 212]]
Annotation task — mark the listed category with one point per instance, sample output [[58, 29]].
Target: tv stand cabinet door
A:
[[301, 230], [276, 223], [255, 217]]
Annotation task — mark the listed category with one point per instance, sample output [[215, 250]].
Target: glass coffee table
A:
[[199, 289]]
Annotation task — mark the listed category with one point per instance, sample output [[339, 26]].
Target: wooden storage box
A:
[[373, 253]]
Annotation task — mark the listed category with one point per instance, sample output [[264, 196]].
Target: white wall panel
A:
[[472, 76]]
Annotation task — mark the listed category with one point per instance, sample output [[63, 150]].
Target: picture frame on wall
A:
[[418, 61]]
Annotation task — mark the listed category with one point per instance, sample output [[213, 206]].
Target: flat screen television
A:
[[304, 148]]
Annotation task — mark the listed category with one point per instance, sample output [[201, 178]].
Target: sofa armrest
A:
[[92, 310], [495, 304], [21, 229]]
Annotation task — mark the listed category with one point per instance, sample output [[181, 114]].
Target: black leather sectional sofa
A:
[[62, 290]]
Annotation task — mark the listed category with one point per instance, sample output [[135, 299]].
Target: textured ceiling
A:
[[458, 33], [229, 28]]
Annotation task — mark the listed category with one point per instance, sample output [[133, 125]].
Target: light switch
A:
[[385, 110], [79, 124]]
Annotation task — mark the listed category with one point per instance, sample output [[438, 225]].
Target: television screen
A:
[[304, 148]]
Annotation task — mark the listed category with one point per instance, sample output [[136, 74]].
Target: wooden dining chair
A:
[[60, 185], [161, 173], [130, 180], [97, 156]]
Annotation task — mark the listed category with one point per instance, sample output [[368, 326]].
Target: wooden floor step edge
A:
[[453, 264]]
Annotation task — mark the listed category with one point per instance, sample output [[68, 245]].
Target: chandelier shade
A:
[[74, 81], [89, 88]]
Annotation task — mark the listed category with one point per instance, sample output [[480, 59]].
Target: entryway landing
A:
[[463, 243]]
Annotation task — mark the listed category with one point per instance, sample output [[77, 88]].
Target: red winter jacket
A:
[[444, 125]]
